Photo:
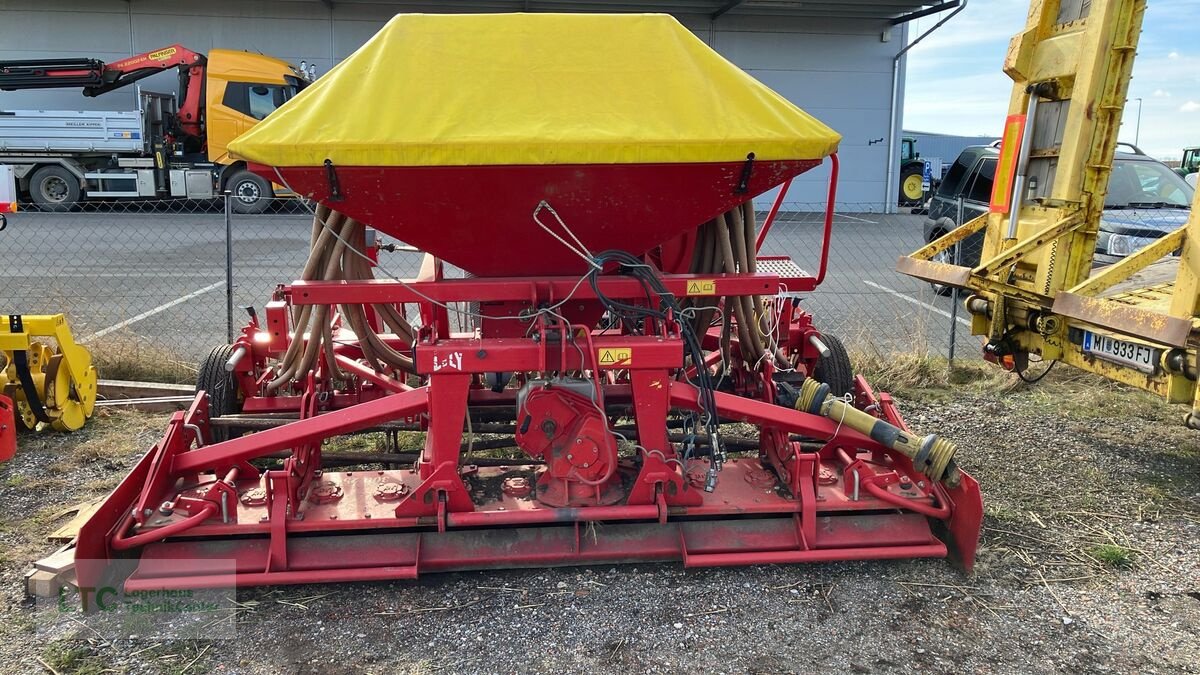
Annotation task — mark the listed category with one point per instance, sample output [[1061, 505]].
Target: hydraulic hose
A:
[[124, 543], [726, 244], [337, 244]]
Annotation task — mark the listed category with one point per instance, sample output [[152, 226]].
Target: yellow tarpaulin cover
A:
[[496, 89]]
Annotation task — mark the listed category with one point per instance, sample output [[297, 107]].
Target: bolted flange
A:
[[517, 486], [390, 492], [325, 492], [254, 497]]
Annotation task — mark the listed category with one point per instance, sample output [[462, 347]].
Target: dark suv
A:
[[1145, 201]]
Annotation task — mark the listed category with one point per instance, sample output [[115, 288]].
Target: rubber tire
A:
[[222, 391], [835, 370], [47, 203], [245, 177], [905, 200]]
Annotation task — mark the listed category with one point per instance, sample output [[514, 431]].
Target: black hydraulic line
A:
[[1038, 378], [21, 363]]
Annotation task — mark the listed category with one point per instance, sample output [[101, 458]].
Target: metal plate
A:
[[781, 266]]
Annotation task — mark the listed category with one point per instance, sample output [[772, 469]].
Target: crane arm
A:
[[96, 77]]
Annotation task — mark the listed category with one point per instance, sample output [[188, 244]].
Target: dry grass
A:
[[917, 374], [125, 356], [53, 464], [111, 435]]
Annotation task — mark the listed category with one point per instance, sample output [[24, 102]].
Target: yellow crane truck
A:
[[172, 146]]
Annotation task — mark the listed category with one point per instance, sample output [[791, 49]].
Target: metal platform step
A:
[[781, 266]]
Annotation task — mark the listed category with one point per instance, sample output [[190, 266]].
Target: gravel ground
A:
[[1088, 563]]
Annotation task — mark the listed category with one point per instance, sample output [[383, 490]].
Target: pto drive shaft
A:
[[932, 455]]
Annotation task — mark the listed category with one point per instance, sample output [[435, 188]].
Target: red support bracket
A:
[[443, 490], [184, 428], [806, 489]]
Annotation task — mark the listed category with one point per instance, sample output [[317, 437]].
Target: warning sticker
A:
[[616, 356], [702, 287]]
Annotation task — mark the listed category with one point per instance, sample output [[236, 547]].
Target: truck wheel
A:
[[910, 186], [835, 370], [251, 192], [222, 389], [54, 188]]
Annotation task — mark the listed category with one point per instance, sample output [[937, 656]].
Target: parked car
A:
[[1145, 201]]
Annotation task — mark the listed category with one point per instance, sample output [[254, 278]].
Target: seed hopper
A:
[[594, 176]]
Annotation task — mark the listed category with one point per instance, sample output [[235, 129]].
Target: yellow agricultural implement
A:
[[50, 385], [1035, 292]]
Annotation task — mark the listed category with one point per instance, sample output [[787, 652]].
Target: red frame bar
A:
[[831, 200], [343, 421], [518, 354], [518, 289], [775, 206]]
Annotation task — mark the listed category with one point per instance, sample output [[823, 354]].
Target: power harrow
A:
[[669, 395]]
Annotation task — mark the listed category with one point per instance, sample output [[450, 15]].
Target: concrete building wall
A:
[[840, 71]]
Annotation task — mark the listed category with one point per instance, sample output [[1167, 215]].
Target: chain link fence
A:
[[141, 282], [147, 282], [863, 299]]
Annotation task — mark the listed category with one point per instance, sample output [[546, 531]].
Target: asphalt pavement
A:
[[160, 278]]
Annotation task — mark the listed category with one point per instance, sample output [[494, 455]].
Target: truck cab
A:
[[242, 89]]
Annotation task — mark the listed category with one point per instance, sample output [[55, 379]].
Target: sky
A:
[[955, 83]]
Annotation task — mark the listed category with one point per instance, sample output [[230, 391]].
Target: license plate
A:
[[1132, 354]]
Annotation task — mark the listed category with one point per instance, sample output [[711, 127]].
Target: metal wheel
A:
[[251, 192], [54, 188], [73, 402], [22, 413], [910, 187]]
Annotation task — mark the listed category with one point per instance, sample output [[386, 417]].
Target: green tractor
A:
[[912, 169], [1191, 161]]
